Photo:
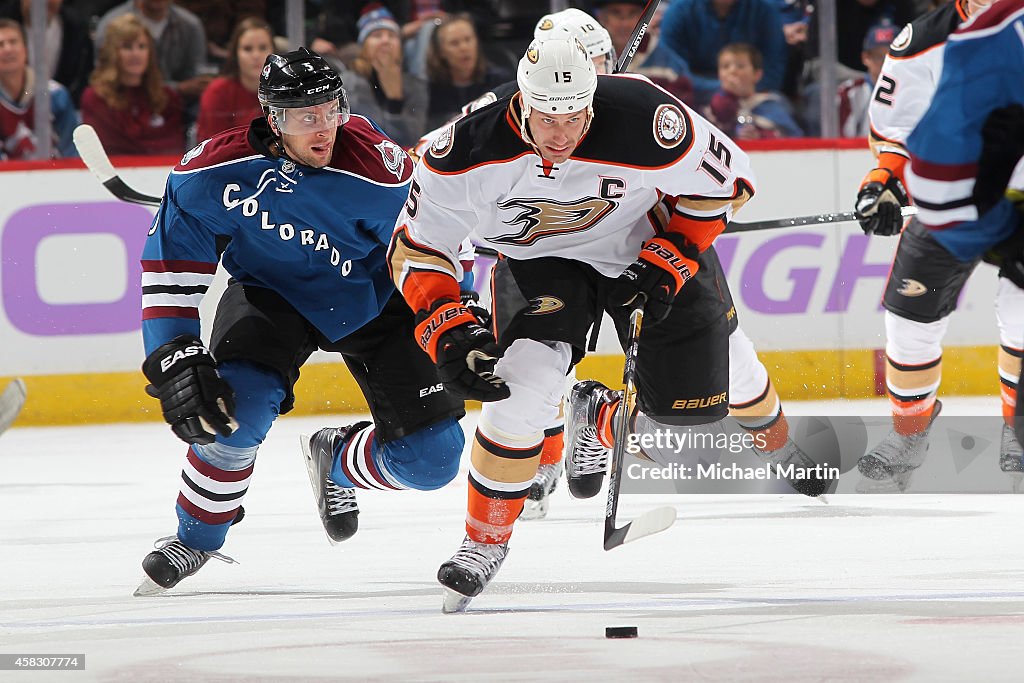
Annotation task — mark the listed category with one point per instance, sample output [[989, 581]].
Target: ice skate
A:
[[586, 456], [544, 484], [171, 562], [894, 459], [468, 572], [1011, 457], [12, 399], [337, 506], [808, 479]]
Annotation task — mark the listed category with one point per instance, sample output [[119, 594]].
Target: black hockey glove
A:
[[471, 300], [196, 401], [1008, 255], [664, 265], [879, 201], [465, 352], [1002, 146]]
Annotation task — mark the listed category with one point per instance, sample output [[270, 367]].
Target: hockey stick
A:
[[816, 219], [773, 224], [95, 157], [652, 521], [11, 401], [637, 36]]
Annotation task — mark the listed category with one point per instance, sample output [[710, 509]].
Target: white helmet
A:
[[556, 76], [596, 40]]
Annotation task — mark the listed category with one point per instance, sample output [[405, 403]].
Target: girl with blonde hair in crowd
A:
[[127, 102]]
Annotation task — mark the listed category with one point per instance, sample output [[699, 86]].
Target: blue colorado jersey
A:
[[984, 63], [317, 237]]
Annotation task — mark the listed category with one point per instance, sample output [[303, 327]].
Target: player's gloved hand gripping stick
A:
[[665, 264]]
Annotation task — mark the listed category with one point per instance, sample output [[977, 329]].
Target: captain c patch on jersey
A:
[[540, 218], [669, 125]]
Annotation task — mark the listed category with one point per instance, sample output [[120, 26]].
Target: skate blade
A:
[[148, 588], [454, 603], [534, 509], [12, 400], [307, 457]]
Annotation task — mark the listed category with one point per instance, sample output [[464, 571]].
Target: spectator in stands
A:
[[653, 58], [219, 19], [697, 30], [854, 18], [69, 53], [377, 85], [179, 40], [17, 94], [738, 109], [457, 70], [127, 102], [855, 93], [231, 100]]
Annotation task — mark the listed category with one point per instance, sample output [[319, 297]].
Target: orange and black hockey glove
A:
[[664, 265], [464, 351], [879, 201]]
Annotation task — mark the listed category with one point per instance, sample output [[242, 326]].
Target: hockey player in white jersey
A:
[[599, 193], [925, 281], [753, 400]]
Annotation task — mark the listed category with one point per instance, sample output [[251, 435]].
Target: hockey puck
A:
[[620, 632]]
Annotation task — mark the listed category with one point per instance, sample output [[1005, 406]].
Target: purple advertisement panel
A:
[[19, 247]]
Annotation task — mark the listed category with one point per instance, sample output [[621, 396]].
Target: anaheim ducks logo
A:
[[912, 288], [532, 55], [540, 218], [903, 39], [669, 126], [442, 144], [545, 25], [542, 305]]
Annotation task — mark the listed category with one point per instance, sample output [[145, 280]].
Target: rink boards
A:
[[807, 297]]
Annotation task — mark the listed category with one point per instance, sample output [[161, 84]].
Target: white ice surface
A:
[[759, 588]]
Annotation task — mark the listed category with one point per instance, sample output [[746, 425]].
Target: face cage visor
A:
[[607, 60], [312, 119]]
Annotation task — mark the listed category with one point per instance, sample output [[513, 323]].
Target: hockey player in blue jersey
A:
[[965, 153], [299, 207]]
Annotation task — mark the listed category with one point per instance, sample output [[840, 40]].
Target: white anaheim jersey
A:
[[647, 164], [909, 77]]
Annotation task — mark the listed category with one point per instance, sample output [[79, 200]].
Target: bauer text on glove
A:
[[664, 265], [465, 352]]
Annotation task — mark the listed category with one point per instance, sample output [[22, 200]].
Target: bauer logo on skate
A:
[[542, 218]]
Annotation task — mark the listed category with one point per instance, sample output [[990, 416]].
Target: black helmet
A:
[[300, 78]]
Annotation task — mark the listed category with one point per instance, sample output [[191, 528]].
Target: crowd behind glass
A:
[[157, 76]]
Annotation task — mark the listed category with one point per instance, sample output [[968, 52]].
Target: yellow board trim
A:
[[328, 388]]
